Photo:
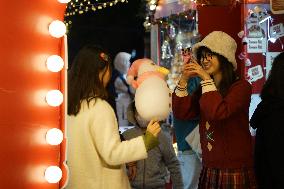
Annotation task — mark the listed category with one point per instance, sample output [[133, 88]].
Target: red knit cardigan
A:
[[224, 125]]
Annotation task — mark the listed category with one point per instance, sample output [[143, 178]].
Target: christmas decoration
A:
[[255, 73], [178, 32], [166, 50], [172, 31]]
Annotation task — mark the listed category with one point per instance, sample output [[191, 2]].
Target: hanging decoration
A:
[[247, 62], [178, 31], [179, 46], [151, 6], [187, 4], [217, 2], [172, 31], [166, 50], [168, 21]]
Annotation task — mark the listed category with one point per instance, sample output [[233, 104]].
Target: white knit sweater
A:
[[96, 156]]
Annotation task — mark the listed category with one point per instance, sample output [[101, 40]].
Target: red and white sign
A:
[[277, 31], [255, 73]]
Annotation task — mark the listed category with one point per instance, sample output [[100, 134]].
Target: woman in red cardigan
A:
[[222, 102]]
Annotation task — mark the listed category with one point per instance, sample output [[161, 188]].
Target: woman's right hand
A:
[[186, 70], [154, 127]]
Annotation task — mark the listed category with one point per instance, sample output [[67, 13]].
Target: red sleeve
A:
[[185, 108], [215, 107]]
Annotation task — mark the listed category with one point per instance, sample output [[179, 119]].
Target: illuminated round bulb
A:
[[57, 29], [152, 7], [63, 1], [53, 174], [272, 39], [54, 63], [54, 97], [54, 136]]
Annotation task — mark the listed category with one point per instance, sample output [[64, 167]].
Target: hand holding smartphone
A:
[[186, 55]]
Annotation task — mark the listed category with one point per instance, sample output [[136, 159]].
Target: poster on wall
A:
[[269, 59], [256, 37], [255, 73], [277, 31], [277, 6]]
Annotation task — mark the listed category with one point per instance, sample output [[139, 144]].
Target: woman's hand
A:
[[154, 127], [186, 74], [194, 69]]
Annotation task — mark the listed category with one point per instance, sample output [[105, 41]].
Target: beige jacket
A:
[[95, 155]]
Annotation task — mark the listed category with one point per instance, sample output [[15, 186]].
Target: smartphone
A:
[[186, 55]]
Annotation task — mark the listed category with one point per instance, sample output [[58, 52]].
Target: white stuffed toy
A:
[[152, 96]]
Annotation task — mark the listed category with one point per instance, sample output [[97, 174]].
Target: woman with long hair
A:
[[222, 103], [268, 119], [96, 155]]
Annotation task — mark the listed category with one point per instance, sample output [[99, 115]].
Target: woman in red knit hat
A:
[[222, 102]]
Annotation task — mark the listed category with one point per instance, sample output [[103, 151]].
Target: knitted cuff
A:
[[181, 91], [150, 141], [208, 85]]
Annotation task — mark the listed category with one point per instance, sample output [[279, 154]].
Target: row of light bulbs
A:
[[54, 98]]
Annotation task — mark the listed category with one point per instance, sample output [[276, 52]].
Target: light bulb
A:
[[54, 63], [54, 97], [152, 7], [57, 28], [272, 39], [54, 136], [53, 174], [63, 1]]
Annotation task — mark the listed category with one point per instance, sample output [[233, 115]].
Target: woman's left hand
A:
[[196, 69]]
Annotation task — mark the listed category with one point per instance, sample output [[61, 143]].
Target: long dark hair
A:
[[83, 77], [228, 74], [274, 86]]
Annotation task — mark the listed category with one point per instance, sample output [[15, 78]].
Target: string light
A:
[[85, 6], [189, 14], [75, 7]]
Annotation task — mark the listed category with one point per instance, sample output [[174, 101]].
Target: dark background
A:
[[117, 28]]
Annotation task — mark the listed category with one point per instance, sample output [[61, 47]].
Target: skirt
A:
[[211, 178]]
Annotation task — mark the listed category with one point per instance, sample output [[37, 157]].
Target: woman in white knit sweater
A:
[[96, 156]]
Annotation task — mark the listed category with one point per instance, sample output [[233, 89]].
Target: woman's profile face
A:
[[210, 63]]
